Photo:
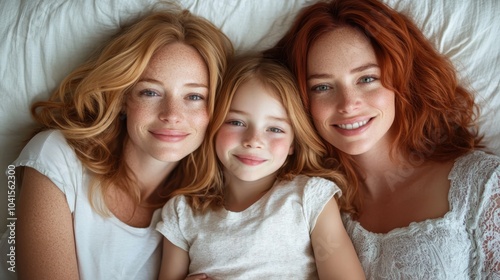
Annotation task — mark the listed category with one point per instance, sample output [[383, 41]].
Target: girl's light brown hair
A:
[[308, 153], [435, 116], [87, 105]]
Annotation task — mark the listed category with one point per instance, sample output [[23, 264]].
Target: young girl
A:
[[263, 215]]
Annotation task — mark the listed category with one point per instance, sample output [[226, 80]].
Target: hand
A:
[[198, 276]]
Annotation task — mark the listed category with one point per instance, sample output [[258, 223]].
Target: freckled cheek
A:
[[198, 118], [280, 147], [226, 138], [141, 111], [320, 112], [139, 116], [386, 102], [224, 141]]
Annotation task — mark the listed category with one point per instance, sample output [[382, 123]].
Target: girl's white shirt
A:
[[271, 239]]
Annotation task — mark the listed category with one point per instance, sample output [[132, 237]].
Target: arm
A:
[[174, 263], [489, 231], [45, 239], [198, 276], [333, 250]]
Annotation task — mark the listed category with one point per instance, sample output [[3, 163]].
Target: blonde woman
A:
[[119, 134]]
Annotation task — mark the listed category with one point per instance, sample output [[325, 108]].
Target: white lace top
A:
[[464, 244]]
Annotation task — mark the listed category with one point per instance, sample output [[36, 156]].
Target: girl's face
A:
[[256, 137], [350, 107], [167, 109]]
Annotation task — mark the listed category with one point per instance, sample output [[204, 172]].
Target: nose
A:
[[252, 139], [348, 99], [171, 110]]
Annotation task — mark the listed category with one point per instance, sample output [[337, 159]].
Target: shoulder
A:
[[49, 143], [475, 179], [314, 190], [178, 223], [49, 154], [47, 136], [308, 191], [315, 193], [318, 186], [177, 205], [305, 181], [479, 156], [476, 167], [177, 210]]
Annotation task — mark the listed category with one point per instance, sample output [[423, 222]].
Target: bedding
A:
[[43, 40]]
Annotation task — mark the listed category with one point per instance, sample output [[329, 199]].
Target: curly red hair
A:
[[435, 116]]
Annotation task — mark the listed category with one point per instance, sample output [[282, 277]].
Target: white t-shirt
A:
[[106, 248], [269, 240], [464, 244]]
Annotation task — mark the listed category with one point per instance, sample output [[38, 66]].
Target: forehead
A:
[[255, 96], [344, 45], [179, 59]]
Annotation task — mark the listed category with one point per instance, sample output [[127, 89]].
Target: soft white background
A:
[[41, 41]]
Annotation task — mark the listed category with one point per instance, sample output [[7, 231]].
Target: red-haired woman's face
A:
[[351, 109]]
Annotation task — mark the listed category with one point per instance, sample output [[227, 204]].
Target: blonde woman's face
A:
[[167, 110], [351, 109]]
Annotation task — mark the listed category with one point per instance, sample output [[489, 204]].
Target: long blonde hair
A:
[[309, 157], [86, 107]]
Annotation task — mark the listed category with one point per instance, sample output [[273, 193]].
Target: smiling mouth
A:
[[170, 136], [352, 126], [250, 160]]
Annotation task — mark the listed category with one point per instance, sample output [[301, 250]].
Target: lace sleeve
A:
[[489, 227]]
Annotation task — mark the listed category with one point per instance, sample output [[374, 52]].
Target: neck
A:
[[149, 172], [242, 194], [380, 173]]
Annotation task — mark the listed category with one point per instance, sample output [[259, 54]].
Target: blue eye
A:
[[236, 123], [367, 79], [276, 130], [148, 92], [195, 97], [321, 88]]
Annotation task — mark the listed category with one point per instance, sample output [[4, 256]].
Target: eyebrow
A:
[[364, 67], [355, 70], [286, 120], [154, 81]]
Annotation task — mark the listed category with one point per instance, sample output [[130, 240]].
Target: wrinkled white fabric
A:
[[464, 244]]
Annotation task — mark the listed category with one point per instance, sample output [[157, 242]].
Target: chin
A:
[[353, 150], [251, 177], [171, 157]]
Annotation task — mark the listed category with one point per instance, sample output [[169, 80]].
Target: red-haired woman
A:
[[423, 201]]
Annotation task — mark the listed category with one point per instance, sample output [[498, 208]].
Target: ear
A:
[[291, 150]]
